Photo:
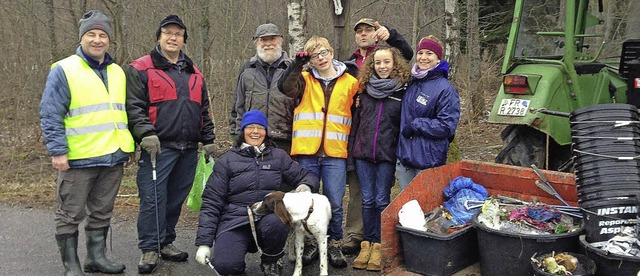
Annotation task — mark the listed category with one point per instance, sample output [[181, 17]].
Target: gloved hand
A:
[[209, 151], [203, 253], [407, 131], [303, 188], [151, 144], [302, 58]]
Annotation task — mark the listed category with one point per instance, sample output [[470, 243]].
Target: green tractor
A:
[[555, 64]]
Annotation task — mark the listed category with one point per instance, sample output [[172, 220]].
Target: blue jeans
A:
[[333, 173], [175, 170], [405, 174], [376, 180]]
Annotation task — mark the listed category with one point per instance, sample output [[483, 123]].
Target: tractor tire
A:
[[525, 145]]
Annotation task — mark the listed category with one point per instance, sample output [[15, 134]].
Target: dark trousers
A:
[[231, 246], [83, 190], [175, 170]]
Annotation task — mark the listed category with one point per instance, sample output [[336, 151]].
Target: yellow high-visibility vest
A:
[[313, 127], [96, 123]]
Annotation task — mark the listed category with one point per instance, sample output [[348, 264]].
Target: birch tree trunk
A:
[[297, 17], [452, 35], [473, 51]]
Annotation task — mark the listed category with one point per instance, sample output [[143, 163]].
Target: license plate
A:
[[513, 107]]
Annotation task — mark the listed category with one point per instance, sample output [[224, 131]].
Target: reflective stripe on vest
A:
[[312, 129], [96, 123]]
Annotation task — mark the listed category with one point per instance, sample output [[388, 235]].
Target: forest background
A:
[[36, 33]]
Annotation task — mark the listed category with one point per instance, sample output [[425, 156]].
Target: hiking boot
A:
[[148, 262], [351, 244], [171, 253], [374, 262], [310, 253], [336, 259], [271, 268], [363, 258]]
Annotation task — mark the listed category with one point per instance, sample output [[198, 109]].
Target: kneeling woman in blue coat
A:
[[241, 177]]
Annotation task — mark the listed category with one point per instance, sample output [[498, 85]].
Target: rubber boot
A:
[[374, 261], [363, 258], [68, 245], [96, 248]]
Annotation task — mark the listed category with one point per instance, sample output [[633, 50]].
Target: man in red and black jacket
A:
[[168, 109]]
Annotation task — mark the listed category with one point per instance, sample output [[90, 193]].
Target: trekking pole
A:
[[155, 196], [208, 261]]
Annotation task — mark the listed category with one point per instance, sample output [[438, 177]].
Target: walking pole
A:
[[155, 196]]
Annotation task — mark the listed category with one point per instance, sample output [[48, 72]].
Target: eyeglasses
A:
[[254, 127], [170, 34], [322, 53]]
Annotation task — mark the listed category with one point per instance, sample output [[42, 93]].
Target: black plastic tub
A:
[[606, 163], [608, 187], [607, 194], [604, 218], [504, 254], [609, 264], [605, 112], [431, 254], [586, 266]]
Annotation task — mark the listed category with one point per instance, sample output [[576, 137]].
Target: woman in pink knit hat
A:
[[430, 113]]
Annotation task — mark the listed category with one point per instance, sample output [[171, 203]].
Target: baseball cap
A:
[[367, 21]]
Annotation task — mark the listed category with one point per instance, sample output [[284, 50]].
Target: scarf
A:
[[382, 88], [256, 150], [419, 73]]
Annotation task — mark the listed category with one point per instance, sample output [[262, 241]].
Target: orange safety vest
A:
[[311, 127]]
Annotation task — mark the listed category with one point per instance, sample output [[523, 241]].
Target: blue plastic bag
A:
[[460, 190]]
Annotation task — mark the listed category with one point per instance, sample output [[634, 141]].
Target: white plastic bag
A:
[[412, 216]]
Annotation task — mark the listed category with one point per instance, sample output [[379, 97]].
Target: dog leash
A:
[[255, 236]]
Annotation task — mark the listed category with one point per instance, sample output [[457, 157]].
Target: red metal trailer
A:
[[426, 188]]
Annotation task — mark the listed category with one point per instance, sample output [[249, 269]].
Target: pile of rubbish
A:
[[515, 216], [450, 217], [559, 264], [624, 243]]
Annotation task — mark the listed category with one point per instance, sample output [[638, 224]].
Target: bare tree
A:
[[297, 15], [452, 34], [473, 50]]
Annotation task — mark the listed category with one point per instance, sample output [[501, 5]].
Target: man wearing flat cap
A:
[[84, 124], [168, 108], [257, 87]]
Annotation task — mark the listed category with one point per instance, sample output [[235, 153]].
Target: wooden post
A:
[[339, 21]]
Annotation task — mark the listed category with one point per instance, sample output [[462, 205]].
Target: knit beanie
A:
[[94, 20], [253, 117], [430, 45], [172, 19]]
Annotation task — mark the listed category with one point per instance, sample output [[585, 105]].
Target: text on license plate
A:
[[513, 107]]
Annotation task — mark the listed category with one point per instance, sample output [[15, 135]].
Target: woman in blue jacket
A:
[[382, 81], [241, 177], [430, 113]]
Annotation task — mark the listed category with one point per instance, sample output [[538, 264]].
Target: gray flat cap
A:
[[268, 29]]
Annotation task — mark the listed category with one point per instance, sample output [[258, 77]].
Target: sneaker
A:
[[271, 268], [172, 253], [336, 258], [310, 253], [148, 262], [351, 245]]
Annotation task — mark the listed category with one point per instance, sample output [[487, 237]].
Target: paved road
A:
[[28, 247]]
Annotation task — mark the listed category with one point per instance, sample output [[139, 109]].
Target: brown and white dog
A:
[[307, 213]]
